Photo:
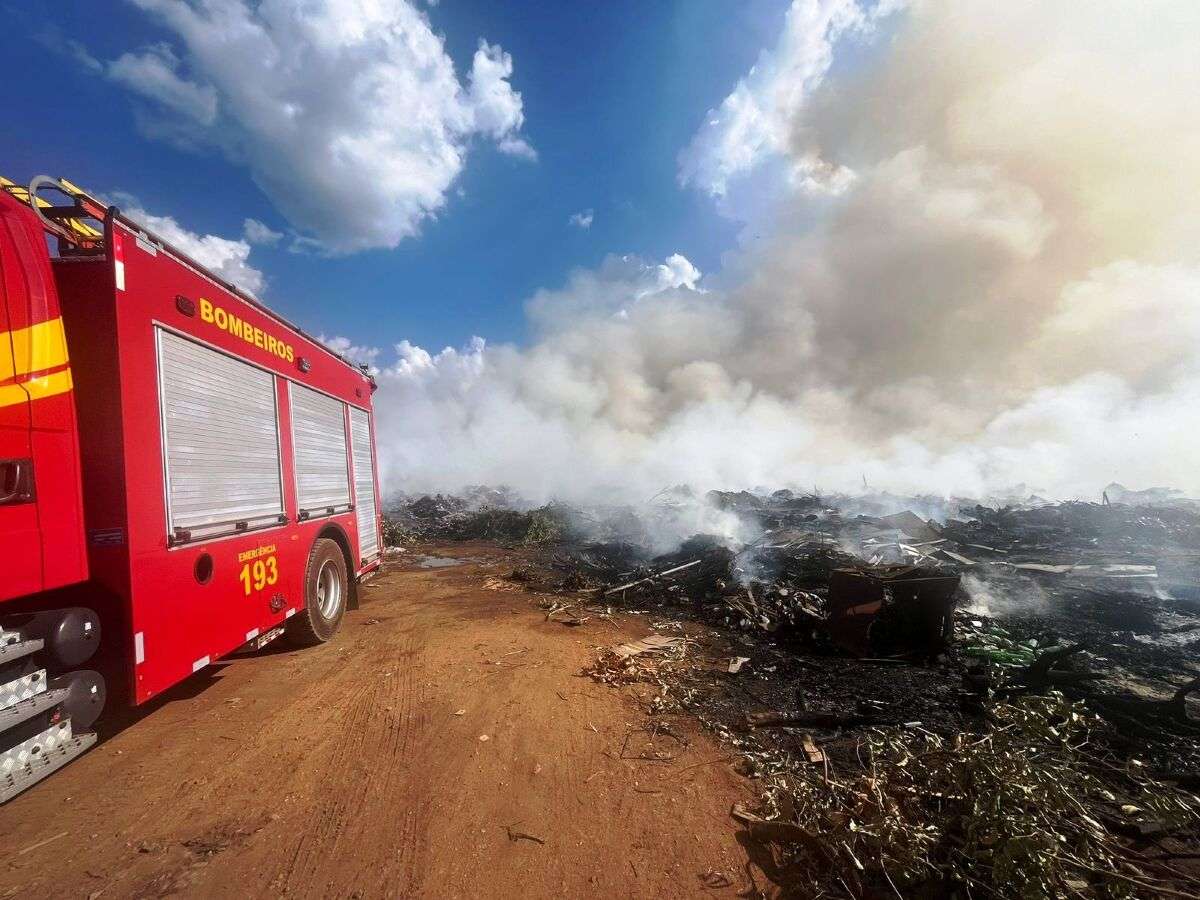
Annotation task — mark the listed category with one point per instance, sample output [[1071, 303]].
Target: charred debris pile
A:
[[1077, 597], [935, 699], [478, 513]]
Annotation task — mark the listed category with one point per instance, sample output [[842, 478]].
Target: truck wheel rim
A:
[[329, 590]]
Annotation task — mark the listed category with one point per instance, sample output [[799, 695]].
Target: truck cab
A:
[[41, 507]]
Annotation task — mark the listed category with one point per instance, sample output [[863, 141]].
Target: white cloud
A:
[[496, 108], [228, 258], [582, 219], [518, 147], [618, 286], [256, 232], [754, 121], [81, 55], [154, 74], [348, 113], [359, 354]]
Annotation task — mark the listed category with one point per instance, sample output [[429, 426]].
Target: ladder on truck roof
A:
[[69, 223]]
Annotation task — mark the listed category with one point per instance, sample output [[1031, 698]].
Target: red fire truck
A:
[[183, 473]]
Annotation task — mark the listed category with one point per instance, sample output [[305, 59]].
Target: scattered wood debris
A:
[[514, 835], [655, 643]]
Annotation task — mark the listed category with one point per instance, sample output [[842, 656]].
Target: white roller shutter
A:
[[319, 439], [220, 440], [364, 484]]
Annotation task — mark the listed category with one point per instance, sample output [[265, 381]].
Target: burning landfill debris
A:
[[970, 699]]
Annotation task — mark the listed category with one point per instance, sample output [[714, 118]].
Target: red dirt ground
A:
[[360, 769]]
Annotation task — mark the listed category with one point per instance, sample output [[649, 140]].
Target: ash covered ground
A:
[[914, 686]]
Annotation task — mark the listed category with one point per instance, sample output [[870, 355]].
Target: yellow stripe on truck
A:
[[36, 388], [37, 348]]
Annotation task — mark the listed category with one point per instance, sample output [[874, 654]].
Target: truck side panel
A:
[[195, 600], [89, 316]]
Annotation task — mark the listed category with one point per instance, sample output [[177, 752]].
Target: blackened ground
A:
[[1136, 644]]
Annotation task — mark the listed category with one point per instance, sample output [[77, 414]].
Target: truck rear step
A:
[[13, 651], [22, 685], [36, 734], [45, 762], [27, 709]]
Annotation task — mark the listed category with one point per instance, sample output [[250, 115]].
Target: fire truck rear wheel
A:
[[326, 587]]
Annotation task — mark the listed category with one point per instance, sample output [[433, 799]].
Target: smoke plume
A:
[[971, 258]]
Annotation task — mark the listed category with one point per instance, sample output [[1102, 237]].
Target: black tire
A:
[[318, 621]]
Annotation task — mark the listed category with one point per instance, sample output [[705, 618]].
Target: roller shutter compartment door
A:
[[220, 434], [364, 484], [319, 441]]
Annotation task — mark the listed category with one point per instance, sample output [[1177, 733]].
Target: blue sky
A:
[[922, 226], [611, 93]]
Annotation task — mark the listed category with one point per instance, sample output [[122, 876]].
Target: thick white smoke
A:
[[972, 259]]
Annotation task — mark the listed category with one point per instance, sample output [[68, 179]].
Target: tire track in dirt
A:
[[330, 771], [401, 868], [351, 763], [384, 773], [276, 752], [333, 808]]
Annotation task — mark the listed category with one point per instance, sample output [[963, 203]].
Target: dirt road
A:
[[443, 746]]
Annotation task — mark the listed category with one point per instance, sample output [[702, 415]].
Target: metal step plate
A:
[[263, 639], [19, 712], [259, 640], [43, 764], [17, 649], [21, 689], [44, 742]]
